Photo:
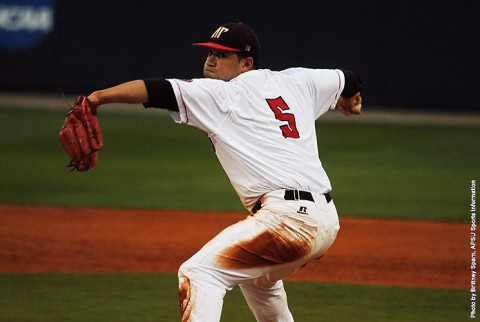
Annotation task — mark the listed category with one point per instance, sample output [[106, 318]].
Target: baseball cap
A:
[[235, 37]]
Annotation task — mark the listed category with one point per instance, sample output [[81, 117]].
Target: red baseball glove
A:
[[81, 136]]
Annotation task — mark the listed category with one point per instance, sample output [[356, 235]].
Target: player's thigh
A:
[[215, 249]]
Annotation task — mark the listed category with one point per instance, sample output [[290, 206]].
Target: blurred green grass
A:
[[413, 171], [153, 297]]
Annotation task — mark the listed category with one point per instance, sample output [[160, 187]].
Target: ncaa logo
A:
[[24, 23]]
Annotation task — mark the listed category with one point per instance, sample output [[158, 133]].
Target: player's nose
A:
[[211, 60]]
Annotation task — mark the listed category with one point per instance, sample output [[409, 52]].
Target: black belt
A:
[[303, 195], [294, 195]]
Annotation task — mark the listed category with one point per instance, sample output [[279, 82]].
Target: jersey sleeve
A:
[[203, 103], [323, 85]]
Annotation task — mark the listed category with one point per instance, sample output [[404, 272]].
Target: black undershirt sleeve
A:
[[353, 84], [160, 94]]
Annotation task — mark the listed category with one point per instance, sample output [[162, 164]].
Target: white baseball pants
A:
[[256, 254]]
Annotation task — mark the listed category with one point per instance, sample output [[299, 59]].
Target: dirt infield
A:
[[367, 251]]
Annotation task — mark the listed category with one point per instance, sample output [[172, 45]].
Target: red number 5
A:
[[279, 107]]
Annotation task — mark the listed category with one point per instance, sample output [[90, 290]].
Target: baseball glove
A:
[[81, 136]]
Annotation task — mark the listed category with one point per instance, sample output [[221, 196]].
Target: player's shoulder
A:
[[301, 71], [254, 73], [313, 76], [267, 77], [293, 76], [260, 75]]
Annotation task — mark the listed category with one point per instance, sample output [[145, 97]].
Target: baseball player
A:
[[262, 126]]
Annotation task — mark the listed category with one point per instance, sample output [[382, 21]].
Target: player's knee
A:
[[188, 274], [201, 276], [184, 269], [184, 291], [196, 282], [184, 296]]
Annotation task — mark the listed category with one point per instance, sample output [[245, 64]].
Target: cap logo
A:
[[219, 32]]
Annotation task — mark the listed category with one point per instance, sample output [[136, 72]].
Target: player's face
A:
[[222, 65]]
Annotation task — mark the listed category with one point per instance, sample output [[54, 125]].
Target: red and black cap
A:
[[234, 37]]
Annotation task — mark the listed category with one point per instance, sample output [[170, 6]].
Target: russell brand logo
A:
[[302, 210]]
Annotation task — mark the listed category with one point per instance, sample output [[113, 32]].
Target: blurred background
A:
[[418, 54], [411, 155]]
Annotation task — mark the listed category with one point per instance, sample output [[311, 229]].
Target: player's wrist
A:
[[94, 99]]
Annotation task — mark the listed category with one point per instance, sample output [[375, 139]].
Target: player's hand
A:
[[350, 106]]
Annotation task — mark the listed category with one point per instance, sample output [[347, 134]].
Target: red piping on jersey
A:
[[339, 85], [183, 102]]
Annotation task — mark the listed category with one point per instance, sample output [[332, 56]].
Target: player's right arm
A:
[[347, 105], [350, 98]]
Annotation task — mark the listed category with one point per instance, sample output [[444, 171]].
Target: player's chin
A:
[[208, 73]]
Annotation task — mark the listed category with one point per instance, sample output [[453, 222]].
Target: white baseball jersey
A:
[[262, 125]]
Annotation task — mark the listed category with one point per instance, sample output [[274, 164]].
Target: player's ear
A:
[[247, 64]]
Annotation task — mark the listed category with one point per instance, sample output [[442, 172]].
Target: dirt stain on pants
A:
[[184, 299], [269, 248]]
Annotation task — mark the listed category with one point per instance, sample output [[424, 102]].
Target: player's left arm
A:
[[350, 101], [149, 92], [133, 92]]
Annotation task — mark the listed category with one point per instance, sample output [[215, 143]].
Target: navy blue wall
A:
[[409, 53]]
